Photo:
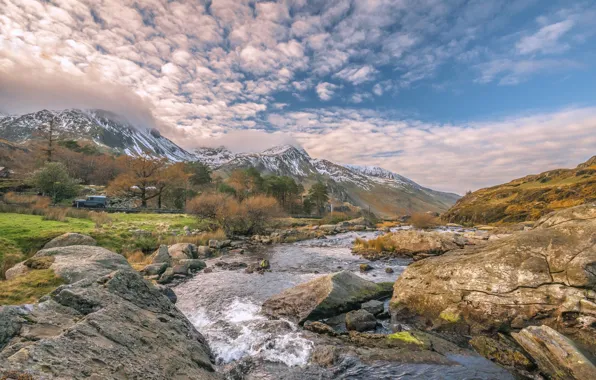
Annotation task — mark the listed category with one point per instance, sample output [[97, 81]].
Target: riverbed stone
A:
[[70, 238], [162, 255], [324, 297], [415, 244], [183, 251], [154, 269], [107, 325], [360, 320], [193, 264], [540, 276], [374, 307], [501, 351], [556, 356]]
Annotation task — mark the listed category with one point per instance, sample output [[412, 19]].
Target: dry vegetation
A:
[[380, 244], [527, 198], [29, 287], [424, 220]]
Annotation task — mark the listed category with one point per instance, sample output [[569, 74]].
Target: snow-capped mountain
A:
[[102, 127], [382, 191]]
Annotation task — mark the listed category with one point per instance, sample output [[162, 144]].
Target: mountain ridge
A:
[[356, 184]]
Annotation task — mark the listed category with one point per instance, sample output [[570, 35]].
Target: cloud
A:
[[546, 40], [512, 72], [357, 75], [326, 90]]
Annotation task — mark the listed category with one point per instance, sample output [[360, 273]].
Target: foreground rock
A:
[[106, 323], [70, 238], [555, 355], [177, 261], [413, 243], [543, 276], [324, 297]]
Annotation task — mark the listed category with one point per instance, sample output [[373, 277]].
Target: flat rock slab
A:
[[70, 238], [324, 297]]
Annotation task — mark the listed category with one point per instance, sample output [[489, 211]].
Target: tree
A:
[[284, 189], [171, 177], [140, 178], [319, 196], [200, 174], [53, 180], [48, 134], [246, 182]]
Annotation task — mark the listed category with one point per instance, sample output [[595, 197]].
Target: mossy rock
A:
[[501, 351]]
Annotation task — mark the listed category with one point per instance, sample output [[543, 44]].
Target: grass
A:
[[10, 254], [29, 287]]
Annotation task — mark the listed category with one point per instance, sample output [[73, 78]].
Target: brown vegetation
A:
[[55, 213], [29, 287], [207, 205], [424, 220]]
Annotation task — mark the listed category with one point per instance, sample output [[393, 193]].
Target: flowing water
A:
[[224, 306]]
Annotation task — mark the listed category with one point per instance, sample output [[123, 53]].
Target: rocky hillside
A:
[[385, 193], [528, 198], [101, 127]]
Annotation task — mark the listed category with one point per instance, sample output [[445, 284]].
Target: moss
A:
[[29, 287], [405, 336], [449, 317]]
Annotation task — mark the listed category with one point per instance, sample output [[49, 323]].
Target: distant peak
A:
[[276, 150]]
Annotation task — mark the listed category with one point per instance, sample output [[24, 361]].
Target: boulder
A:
[[320, 328], [215, 244], [162, 255], [502, 351], [154, 269], [113, 327], [360, 320], [182, 251], [193, 264], [324, 297], [545, 275], [411, 243], [68, 239], [556, 356], [204, 251], [324, 356], [181, 269], [365, 267], [167, 276], [77, 262], [374, 307], [16, 271]]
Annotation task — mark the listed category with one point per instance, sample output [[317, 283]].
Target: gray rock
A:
[[204, 251], [360, 320], [324, 297], [68, 239], [555, 355], [374, 307], [162, 255], [168, 292], [16, 271], [214, 244], [181, 269], [167, 276], [114, 326], [194, 264], [154, 269], [182, 251]]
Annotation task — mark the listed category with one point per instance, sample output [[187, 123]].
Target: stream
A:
[[224, 305]]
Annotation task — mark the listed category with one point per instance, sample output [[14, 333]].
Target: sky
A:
[[454, 94]]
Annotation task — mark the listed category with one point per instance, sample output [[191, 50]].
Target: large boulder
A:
[[68, 239], [416, 244], [183, 251], [324, 297], [360, 320], [106, 323], [556, 356], [546, 275]]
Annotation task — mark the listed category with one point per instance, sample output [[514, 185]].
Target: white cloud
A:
[[357, 75], [546, 40], [326, 90], [512, 72]]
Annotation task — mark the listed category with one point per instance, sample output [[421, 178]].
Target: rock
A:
[[180, 269], [204, 251], [556, 356], [389, 270], [374, 307], [167, 276], [324, 356], [319, 328], [208, 270], [112, 327], [360, 320], [162, 255], [235, 265], [411, 243], [225, 243], [168, 292], [501, 351], [77, 262], [154, 269], [543, 275], [183, 251], [16, 271], [68, 239], [237, 251], [214, 244], [324, 297], [193, 264], [264, 264], [365, 267]]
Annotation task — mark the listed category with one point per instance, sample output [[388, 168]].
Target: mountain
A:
[[384, 192], [528, 198], [102, 127]]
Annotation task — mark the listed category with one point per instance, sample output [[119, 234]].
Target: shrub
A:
[[207, 205], [55, 213], [199, 239], [53, 180], [100, 218], [146, 243], [335, 217], [423, 220], [259, 211]]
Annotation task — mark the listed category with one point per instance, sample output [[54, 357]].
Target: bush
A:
[[53, 180], [206, 205], [146, 243], [335, 217], [55, 213], [423, 220]]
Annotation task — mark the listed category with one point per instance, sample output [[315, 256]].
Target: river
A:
[[225, 305]]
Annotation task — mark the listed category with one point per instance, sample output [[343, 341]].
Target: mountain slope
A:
[[528, 198], [103, 128]]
